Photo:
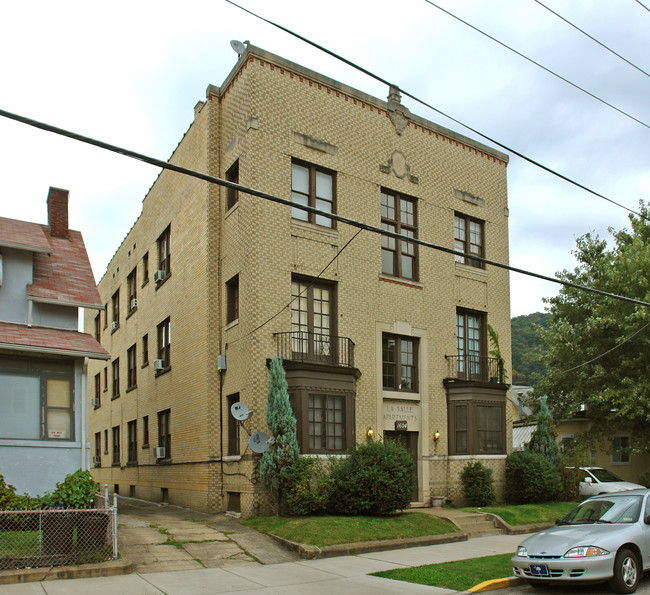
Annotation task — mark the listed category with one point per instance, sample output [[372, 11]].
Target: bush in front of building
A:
[[306, 487], [531, 478], [375, 478], [77, 490], [478, 485]]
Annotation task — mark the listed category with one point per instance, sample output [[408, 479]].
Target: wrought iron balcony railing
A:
[[477, 368], [317, 348]]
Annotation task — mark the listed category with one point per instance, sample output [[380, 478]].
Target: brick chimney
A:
[[57, 212]]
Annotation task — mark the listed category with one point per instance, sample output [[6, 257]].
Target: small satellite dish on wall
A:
[[240, 411], [238, 46], [259, 442]]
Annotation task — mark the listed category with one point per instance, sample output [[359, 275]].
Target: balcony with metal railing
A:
[[475, 368], [315, 348]]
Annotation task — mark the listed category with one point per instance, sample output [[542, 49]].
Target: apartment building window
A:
[[145, 269], [145, 431], [327, 423], [400, 363], [116, 310], [105, 442], [164, 345], [232, 300], [105, 378], [98, 391], [145, 350], [470, 344], [164, 252], [312, 317], [116, 379], [313, 186], [468, 238], [398, 214], [132, 378], [105, 315], [621, 450], [98, 333], [232, 175], [233, 427], [476, 427], [116, 446], [132, 281], [132, 453], [98, 449], [164, 432]]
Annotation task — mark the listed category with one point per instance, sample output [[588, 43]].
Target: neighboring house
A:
[[380, 334], [45, 277], [523, 424]]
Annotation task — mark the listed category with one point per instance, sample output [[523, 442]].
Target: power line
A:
[[641, 4], [438, 111], [592, 38], [555, 74], [289, 203]]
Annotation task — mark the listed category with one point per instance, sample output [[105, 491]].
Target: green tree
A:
[[526, 365], [597, 349], [282, 425], [543, 438]]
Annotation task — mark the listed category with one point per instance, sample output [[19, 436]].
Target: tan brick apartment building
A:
[[391, 337]]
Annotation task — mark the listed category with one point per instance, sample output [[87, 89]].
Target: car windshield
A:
[[604, 475], [622, 509]]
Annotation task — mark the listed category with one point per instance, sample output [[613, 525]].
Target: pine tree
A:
[[543, 439], [282, 425]]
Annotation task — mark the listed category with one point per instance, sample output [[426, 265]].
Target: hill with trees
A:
[[527, 369]]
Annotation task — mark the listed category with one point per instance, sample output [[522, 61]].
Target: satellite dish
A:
[[240, 411], [259, 442], [238, 46]]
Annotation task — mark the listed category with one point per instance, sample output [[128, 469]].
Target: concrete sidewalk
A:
[[337, 576]]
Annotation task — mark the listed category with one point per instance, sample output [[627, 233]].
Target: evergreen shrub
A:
[[478, 484], [375, 478], [531, 478], [306, 487]]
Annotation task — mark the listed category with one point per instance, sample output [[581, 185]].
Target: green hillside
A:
[[526, 369]]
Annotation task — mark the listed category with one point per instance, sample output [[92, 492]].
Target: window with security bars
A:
[[398, 214], [327, 423], [399, 363], [468, 238], [312, 186], [312, 319]]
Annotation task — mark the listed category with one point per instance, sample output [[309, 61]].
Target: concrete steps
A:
[[478, 525]]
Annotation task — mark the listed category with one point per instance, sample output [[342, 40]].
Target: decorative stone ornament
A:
[[398, 114], [398, 165]]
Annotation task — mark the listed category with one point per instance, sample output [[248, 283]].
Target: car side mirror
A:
[[587, 480]]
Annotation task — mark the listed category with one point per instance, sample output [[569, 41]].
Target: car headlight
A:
[[522, 552], [585, 551]]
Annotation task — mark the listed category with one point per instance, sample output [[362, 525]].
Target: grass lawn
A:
[[524, 514], [19, 544], [331, 530], [459, 575]]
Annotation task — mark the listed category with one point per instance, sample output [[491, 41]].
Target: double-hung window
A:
[[468, 238], [327, 423], [132, 281], [116, 446], [164, 252], [313, 186], [400, 363], [398, 214], [116, 309], [476, 427], [164, 432], [116, 378], [132, 378], [132, 453], [164, 342], [232, 175], [232, 299]]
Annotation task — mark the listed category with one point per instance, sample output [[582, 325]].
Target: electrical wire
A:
[[641, 4], [270, 197], [592, 38], [555, 74], [438, 111]]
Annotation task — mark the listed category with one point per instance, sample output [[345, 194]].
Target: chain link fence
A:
[[58, 536]]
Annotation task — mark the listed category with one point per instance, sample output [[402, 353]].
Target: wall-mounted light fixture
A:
[[370, 433], [436, 436]]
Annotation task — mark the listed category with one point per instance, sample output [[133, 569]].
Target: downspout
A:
[[84, 413]]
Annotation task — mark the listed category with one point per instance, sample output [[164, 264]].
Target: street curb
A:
[[51, 573], [497, 583], [313, 552]]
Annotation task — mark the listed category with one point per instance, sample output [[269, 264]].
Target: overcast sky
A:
[[130, 73]]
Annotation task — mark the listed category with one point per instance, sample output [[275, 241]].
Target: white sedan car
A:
[[597, 480], [607, 537]]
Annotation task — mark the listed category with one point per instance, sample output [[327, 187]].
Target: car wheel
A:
[[626, 572]]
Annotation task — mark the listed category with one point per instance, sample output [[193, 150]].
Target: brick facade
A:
[[267, 113]]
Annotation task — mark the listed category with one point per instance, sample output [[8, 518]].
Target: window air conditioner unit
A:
[[158, 364], [94, 402], [159, 452], [158, 276], [134, 303], [114, 324], [97, 460]]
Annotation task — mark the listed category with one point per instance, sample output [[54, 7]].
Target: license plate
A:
[[539, 570]]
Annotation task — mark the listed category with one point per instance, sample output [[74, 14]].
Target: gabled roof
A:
[[20, 337], [62, 271]]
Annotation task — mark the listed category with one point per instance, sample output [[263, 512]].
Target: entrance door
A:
[[409, 440]]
